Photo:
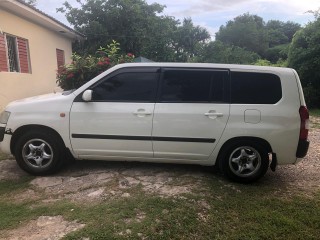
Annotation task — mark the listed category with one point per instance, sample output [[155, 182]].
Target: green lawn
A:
[[220, 212]]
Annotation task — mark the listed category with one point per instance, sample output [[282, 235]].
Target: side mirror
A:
[[87, 95]]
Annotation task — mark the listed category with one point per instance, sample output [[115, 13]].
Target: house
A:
[[32, 47]]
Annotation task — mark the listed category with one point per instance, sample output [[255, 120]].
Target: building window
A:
[[60, 59], [14, 54]]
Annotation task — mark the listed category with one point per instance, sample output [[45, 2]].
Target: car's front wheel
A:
[[39, 152], [244, 161]]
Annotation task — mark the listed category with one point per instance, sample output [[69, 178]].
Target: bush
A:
[[84, 68], [312, 96]]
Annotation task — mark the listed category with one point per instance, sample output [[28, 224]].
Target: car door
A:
[[191, 113], [117, 122]]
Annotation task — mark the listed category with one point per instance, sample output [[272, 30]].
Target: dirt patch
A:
[[304, 177], [94, 185], [44, 228], [315, 122], [10, 171]]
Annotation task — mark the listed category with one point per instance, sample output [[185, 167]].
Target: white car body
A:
[[160, 131]]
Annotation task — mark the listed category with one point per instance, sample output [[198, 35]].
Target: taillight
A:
[[304, 126]]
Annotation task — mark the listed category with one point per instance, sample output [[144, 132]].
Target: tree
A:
[[188, 40], [281, 32], [304, 56], [129, 22], [245, 31], [31, 2], [218, 52], [270, 40], [139, 28]]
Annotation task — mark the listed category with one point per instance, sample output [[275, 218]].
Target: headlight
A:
[[4, 117]]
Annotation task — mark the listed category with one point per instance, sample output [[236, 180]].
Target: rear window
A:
[[255, 88], [182, 85]]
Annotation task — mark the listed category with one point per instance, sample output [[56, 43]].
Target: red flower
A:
[[100, 63], [70, 75], [130, 55], [107, 61]]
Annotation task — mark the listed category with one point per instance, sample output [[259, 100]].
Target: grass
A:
[[238, 212], [315, 120], [4, 156], [315, 112]]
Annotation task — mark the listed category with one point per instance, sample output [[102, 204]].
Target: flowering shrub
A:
[[83, 69]]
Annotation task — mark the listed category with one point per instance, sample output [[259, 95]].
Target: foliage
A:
[[218, 52], [245, 31], [270, 40], [31, 2], [315, 112], [264, 62], [188, 40], [84, 68], [281, 32], [140, 28], [279, 52], [304, 56]]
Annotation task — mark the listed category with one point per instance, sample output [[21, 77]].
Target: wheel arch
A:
[[264, 143], [256, 142], [32, 127]]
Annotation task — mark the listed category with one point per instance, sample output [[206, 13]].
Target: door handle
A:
[[142, 112], [213, 114]]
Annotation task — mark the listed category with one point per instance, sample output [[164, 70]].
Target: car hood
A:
[[39, 103]]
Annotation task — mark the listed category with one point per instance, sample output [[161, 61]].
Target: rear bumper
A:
[[302, 149]]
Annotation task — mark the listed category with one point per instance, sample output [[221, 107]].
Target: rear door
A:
[[191, 113]]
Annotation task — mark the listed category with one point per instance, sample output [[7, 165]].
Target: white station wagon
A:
[[242, 118]]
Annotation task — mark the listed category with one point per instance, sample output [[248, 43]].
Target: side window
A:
[[255, 88], [127, 87], [192, 86]]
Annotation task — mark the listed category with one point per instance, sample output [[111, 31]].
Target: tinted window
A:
[[135, 87], [192, 86], [255, 88]]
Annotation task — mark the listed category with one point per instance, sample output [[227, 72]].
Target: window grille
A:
[[12, 54]]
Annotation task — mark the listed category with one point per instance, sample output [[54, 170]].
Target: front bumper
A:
[[5, 140], [302, 149], [2, 131]]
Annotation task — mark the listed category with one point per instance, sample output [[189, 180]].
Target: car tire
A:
[[39, 152], [244, 161]]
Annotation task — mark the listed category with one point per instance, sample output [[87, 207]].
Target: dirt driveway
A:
[[91, 181]]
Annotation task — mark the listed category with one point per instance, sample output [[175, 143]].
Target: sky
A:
[[211, 14]]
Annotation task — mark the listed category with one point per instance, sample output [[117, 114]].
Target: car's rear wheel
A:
[[39, 152], [244, 161]]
